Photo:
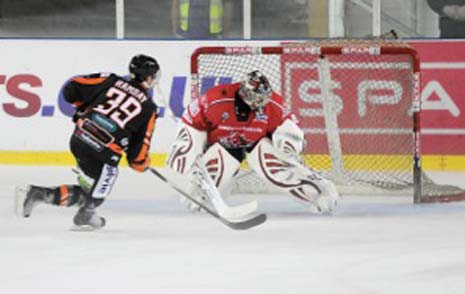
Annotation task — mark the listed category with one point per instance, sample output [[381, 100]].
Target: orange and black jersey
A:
[[114, 113]]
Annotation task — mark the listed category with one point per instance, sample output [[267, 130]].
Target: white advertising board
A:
[[32, 73]]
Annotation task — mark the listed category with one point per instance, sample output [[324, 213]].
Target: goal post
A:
[[358, 102]]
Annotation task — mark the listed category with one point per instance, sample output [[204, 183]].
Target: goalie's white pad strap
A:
[[289, 138], [188, 145], [220, 165], [289, 175]]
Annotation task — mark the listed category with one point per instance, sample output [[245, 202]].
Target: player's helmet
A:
[[255, 89], [143, 66]]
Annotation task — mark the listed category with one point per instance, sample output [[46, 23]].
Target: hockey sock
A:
[[67, 195]]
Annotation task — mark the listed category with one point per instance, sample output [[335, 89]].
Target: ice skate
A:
[[87, 219], [28, 197]]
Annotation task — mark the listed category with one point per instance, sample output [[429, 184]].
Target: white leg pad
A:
[[297, 180], [188, 145], [221, 166]]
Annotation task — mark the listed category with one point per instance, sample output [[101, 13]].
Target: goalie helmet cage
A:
[[358, 102]]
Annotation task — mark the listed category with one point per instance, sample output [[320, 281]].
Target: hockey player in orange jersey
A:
[[113, 116]]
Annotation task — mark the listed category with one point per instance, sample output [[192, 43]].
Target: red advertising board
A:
[[372, 99], [443, 96], [378, 106]]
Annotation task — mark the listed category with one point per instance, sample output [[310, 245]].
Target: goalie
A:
[[246, 121]]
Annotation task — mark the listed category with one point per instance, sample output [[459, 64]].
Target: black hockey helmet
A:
[[143, 66]]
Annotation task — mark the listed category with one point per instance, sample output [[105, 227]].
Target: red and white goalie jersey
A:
[[227, 119]]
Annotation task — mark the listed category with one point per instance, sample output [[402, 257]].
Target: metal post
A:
[[119, 19], [336, 18], [376, 17], [331, 123], [247, 19]]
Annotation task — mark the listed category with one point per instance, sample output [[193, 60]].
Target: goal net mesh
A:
[[356, 101]]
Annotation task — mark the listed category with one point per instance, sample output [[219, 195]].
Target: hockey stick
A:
[[223, 209], [162, 97], [236, 225]]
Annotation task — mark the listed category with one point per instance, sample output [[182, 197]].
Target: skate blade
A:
[[84, 228], [20, 196]]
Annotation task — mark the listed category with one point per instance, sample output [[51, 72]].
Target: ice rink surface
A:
[[153, 245]]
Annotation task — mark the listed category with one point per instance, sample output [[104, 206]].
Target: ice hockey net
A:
[[358, 102]]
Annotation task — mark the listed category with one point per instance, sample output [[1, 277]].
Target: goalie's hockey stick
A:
[[223, 209], [233, 224]]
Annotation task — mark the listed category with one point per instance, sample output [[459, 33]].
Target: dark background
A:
[[143, 18]]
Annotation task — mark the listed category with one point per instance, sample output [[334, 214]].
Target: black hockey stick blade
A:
[[246, 224], [235, 225]]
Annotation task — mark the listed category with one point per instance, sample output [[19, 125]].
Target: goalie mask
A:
[[142, 66], [255, 90]]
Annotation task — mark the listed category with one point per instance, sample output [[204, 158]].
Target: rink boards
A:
[[36, 123]]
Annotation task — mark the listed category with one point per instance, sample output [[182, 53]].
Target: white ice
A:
[[153, 245]]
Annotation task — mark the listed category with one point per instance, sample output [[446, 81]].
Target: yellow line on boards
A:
[[58, 158], [317, 161]]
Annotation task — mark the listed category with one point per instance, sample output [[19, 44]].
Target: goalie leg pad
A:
[[290, 176], [188, 145], [219, 166]]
